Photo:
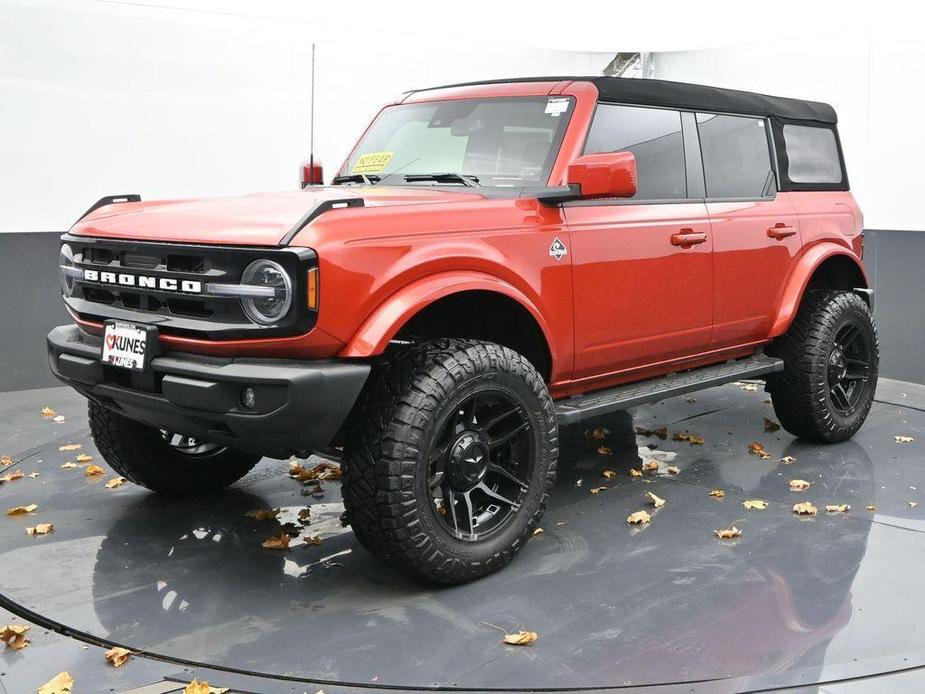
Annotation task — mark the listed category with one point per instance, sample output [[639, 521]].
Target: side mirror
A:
[[310, 173], [604, 175]]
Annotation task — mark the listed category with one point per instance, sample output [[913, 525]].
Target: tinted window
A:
[[736, 156], [654, 136], [812, 155]]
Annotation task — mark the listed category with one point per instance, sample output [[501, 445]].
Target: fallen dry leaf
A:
[[597, 490], [115, 482], [538, 531], [321, 471], [656, 501], [14, 636], [58, 419], [609, 474], [718, 493], [304, 514], [604, 450], [47, 411], [41, 529], [280, 541], [788, 460], [635, 473], [804, 509], [638, 518], [913, 504], [692, 439], [661, 432], [5, 461], [747, 387], [695, 440], [902, 438], [62, 683], [838, 508], [69, 447], [650, 466], [22, 510], [117, 657], [69, 466], [673, 469], [198, 687], [16, 475], [264, 514], [521, 638], [756, 504], [33, 475], [756, 448], [83, 458], [799, 485], [728, 533], [598, 434], [93, 470], [871, 507], [771, 425], [312, 539]]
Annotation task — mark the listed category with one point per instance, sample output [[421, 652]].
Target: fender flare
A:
[[799, 278], [387, 319]]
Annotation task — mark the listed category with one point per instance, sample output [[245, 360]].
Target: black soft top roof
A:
[[689, 96]]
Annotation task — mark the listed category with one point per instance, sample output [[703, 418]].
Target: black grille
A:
[[178, 312]]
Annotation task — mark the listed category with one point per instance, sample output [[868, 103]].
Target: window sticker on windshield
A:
[[556, 106], [372, 163]]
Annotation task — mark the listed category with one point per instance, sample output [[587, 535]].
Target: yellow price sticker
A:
[[372, 163]]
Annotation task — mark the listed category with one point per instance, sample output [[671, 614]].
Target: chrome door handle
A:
[[688, 237], [781, 231]]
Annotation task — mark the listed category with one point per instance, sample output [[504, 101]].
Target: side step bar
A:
[[575, 409]]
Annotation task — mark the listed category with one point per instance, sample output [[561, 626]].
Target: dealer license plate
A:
[[127, 345]]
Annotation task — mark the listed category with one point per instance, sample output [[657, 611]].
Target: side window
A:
[[812, 155], [654, 136], [736, 155]]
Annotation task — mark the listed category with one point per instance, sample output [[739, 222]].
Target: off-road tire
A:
[[393, 423], [139, 453], [800, 393]]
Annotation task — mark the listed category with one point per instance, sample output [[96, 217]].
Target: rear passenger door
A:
[[642, 267], [756, 231]]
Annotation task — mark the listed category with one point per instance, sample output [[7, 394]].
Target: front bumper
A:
[[300, 406]]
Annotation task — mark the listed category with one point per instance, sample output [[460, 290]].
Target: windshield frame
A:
[[396, 176]]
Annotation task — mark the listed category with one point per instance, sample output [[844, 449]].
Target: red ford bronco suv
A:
[[493, 260]]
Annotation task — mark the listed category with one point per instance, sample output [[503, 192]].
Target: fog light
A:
[[248, 398]]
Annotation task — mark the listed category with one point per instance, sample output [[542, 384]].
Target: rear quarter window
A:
[[812, 154]]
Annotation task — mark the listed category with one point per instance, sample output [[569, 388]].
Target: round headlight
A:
[[268, 309], [66, 270]]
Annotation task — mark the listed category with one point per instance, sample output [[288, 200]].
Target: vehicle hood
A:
[[261, 219]]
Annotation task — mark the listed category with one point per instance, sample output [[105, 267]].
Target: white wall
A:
[[100, 98], [873, 78]]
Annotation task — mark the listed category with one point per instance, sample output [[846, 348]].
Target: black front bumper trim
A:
[[300, 405]]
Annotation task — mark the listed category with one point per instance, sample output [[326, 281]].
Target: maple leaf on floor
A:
[[47, 411], [604, 450], [14, 636], [838, 508], [638, 518], [22, 510], [69, 447], [117, 657], [650, 466], [799, 485], [656, 501], [770, 425], [804, 509], [728, 533], [718, 493], [757, 504], [197, 687], [93, 470], [788, 460], [264, 514], [5, 461], [597, 490], [115, 482], [635, 473], [673, 469], [62, 683], [41, 529], [598, 434], [756, 448], [280, 541], [520, 638], [902, 438], [609, 474], [83, 458]]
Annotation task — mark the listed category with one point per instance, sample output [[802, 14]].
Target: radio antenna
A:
[[311, 123]]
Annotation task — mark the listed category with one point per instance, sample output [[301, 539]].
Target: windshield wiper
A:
[[368, 179], [445, 177]]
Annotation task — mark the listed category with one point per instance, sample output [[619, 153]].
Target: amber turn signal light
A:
[[311, 292]]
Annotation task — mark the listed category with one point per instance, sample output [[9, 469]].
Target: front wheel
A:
[[452, 458], [831, 360], [164, 462]]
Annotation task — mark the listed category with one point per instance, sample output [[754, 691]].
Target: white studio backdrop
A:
[[184, 98], [104, 98]]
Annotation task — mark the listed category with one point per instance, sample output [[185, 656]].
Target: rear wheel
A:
[[831, 359], [164, 462], [452, 459]]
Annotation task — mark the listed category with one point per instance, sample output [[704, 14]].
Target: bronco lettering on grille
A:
[[164, 284]]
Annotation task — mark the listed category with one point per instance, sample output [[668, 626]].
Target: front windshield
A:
[[493, 142]]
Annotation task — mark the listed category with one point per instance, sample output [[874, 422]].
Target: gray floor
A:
[[823, 603]]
